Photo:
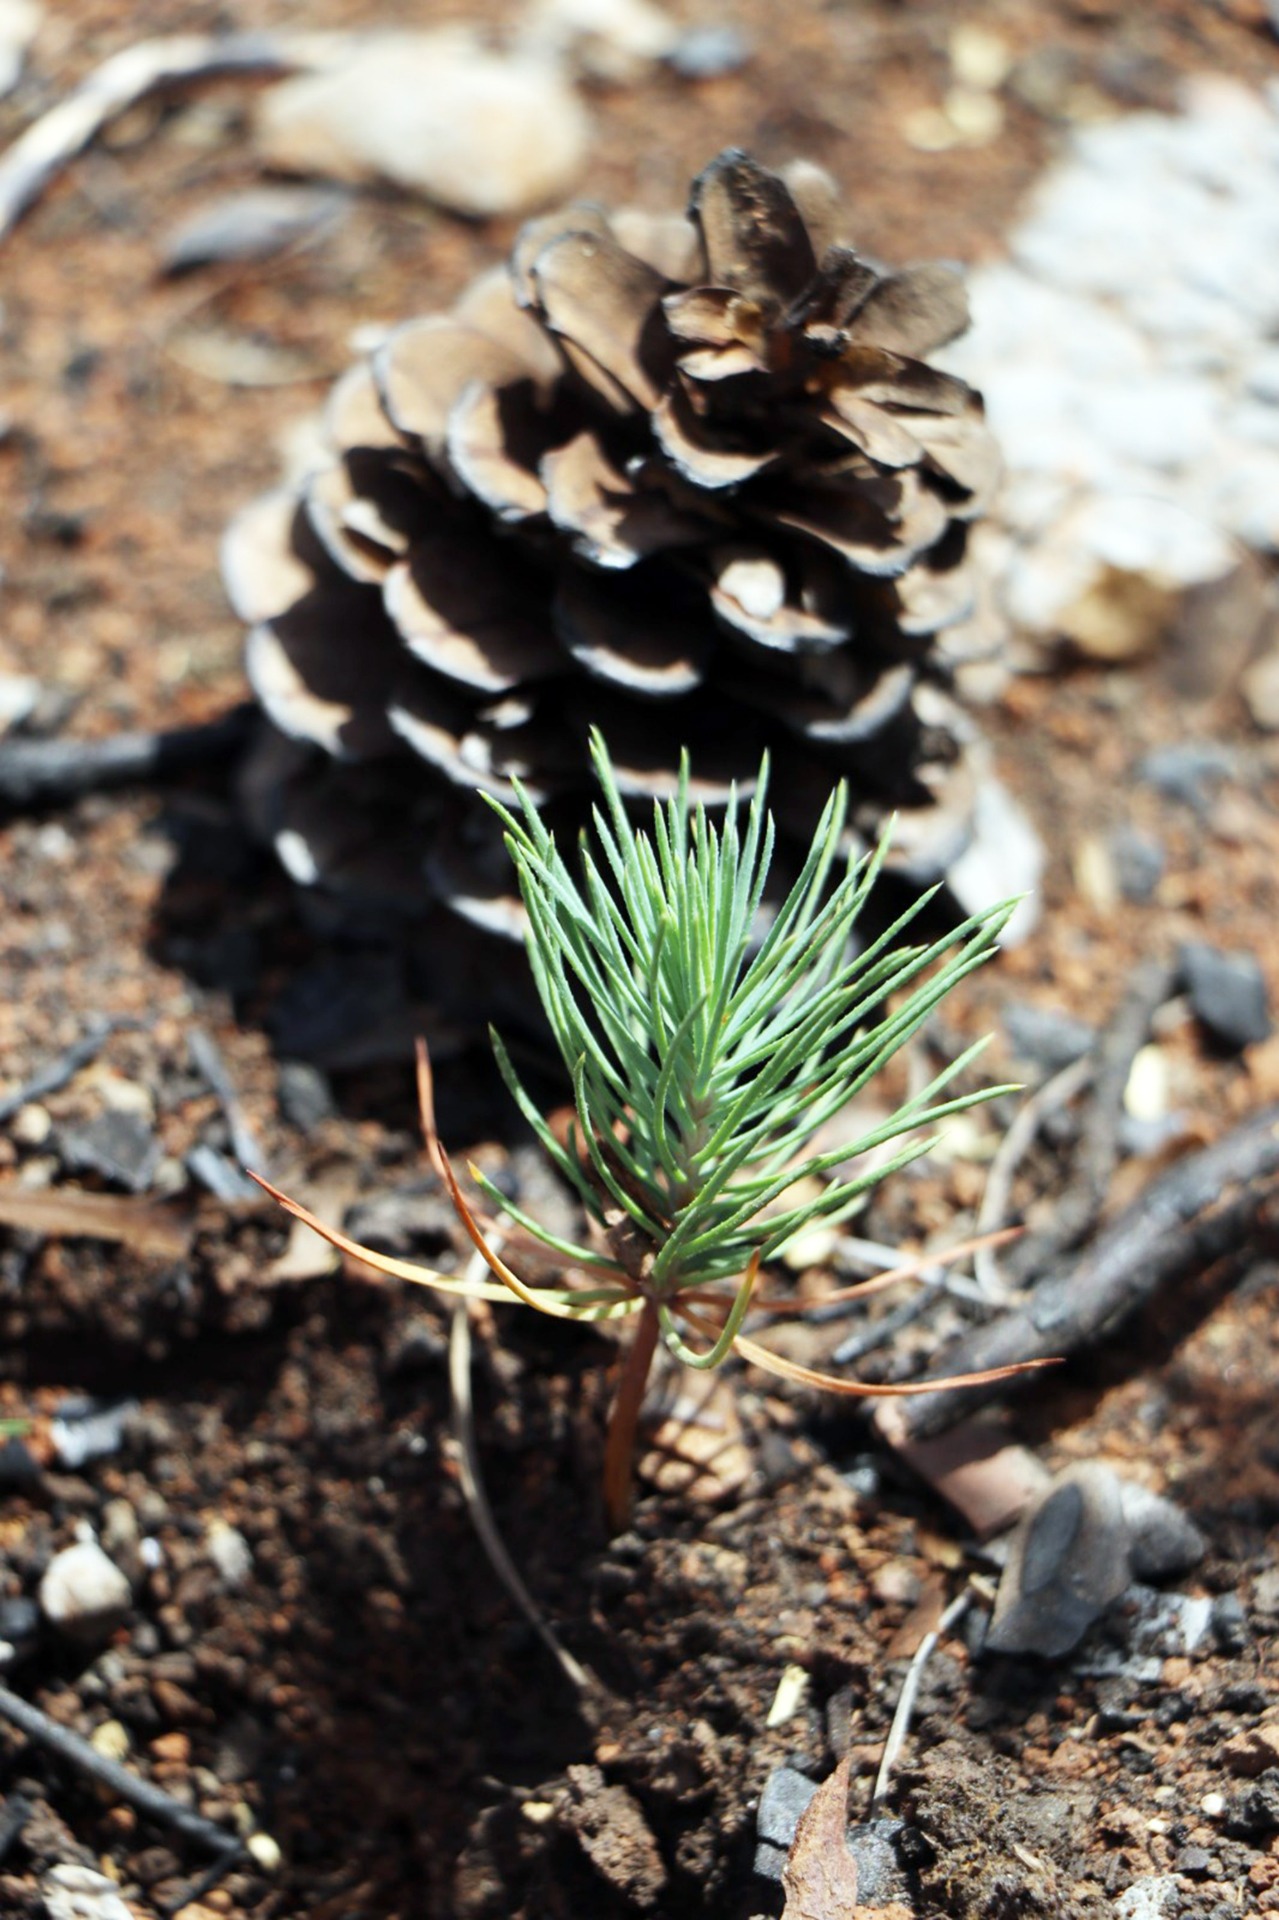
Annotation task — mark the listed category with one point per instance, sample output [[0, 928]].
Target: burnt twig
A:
[[148, 1799], [1204, 1209], [56, 1074], [1098, 1154], [208, 1061], [42, 773]]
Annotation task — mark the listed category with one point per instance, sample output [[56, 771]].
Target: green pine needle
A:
[[706, 1058]]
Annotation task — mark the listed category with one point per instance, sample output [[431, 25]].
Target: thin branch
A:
[[45, 773], [1012, 1150], [1209, 1206], [1084, 1196], [142, 1794], [56, 1073], [900, 1727], [49, 144]]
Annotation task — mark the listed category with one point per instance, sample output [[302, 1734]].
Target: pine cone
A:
[[689, 480]]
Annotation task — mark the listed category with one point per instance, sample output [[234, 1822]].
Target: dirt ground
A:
[[351, 1680]]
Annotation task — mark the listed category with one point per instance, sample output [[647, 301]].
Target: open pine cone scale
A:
[[689, 480]]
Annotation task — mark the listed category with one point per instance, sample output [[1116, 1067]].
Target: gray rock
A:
[[1076, 1551], [219, 1174], [1162, 1539], [1227, 992], [880, 1878], [1139, 864], [1050, 1039], [787, 1793], [786, 1797], [19, 1628], [306, 1097], [1190, 771], [120, 1146], [83, 1593]]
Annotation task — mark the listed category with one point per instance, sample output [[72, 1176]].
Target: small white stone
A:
[[78, 1893], [265, 1851], [1150, 1898], [478, 132], [19, 692], [1146, 1092], [1260, 688], [83, 1593], [31, 1125], [230, 1553], [978, 57], [1213, 1804]]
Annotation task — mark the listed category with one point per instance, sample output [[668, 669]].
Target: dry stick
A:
[[208, 1061], [910, 1691], [42, 773], [39, 154], [1202, 1210], [1098, 1154], [1013, 1149], [587, 1687], [56, 1074], [148, 1799]]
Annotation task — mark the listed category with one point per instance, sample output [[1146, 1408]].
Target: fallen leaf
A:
[[820, 1876]]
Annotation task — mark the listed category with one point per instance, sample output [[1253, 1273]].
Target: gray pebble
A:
[[1139, 864], [1046, 1037], [119, 1146], [787, 1793], [1229, 1624], [879, 1871], [1227, 992], [1189, 772], [219, 1174], [306, 1097], [19, 1628], [1162, 1539]]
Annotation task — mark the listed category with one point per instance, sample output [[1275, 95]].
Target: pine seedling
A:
[[708, 1044]]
